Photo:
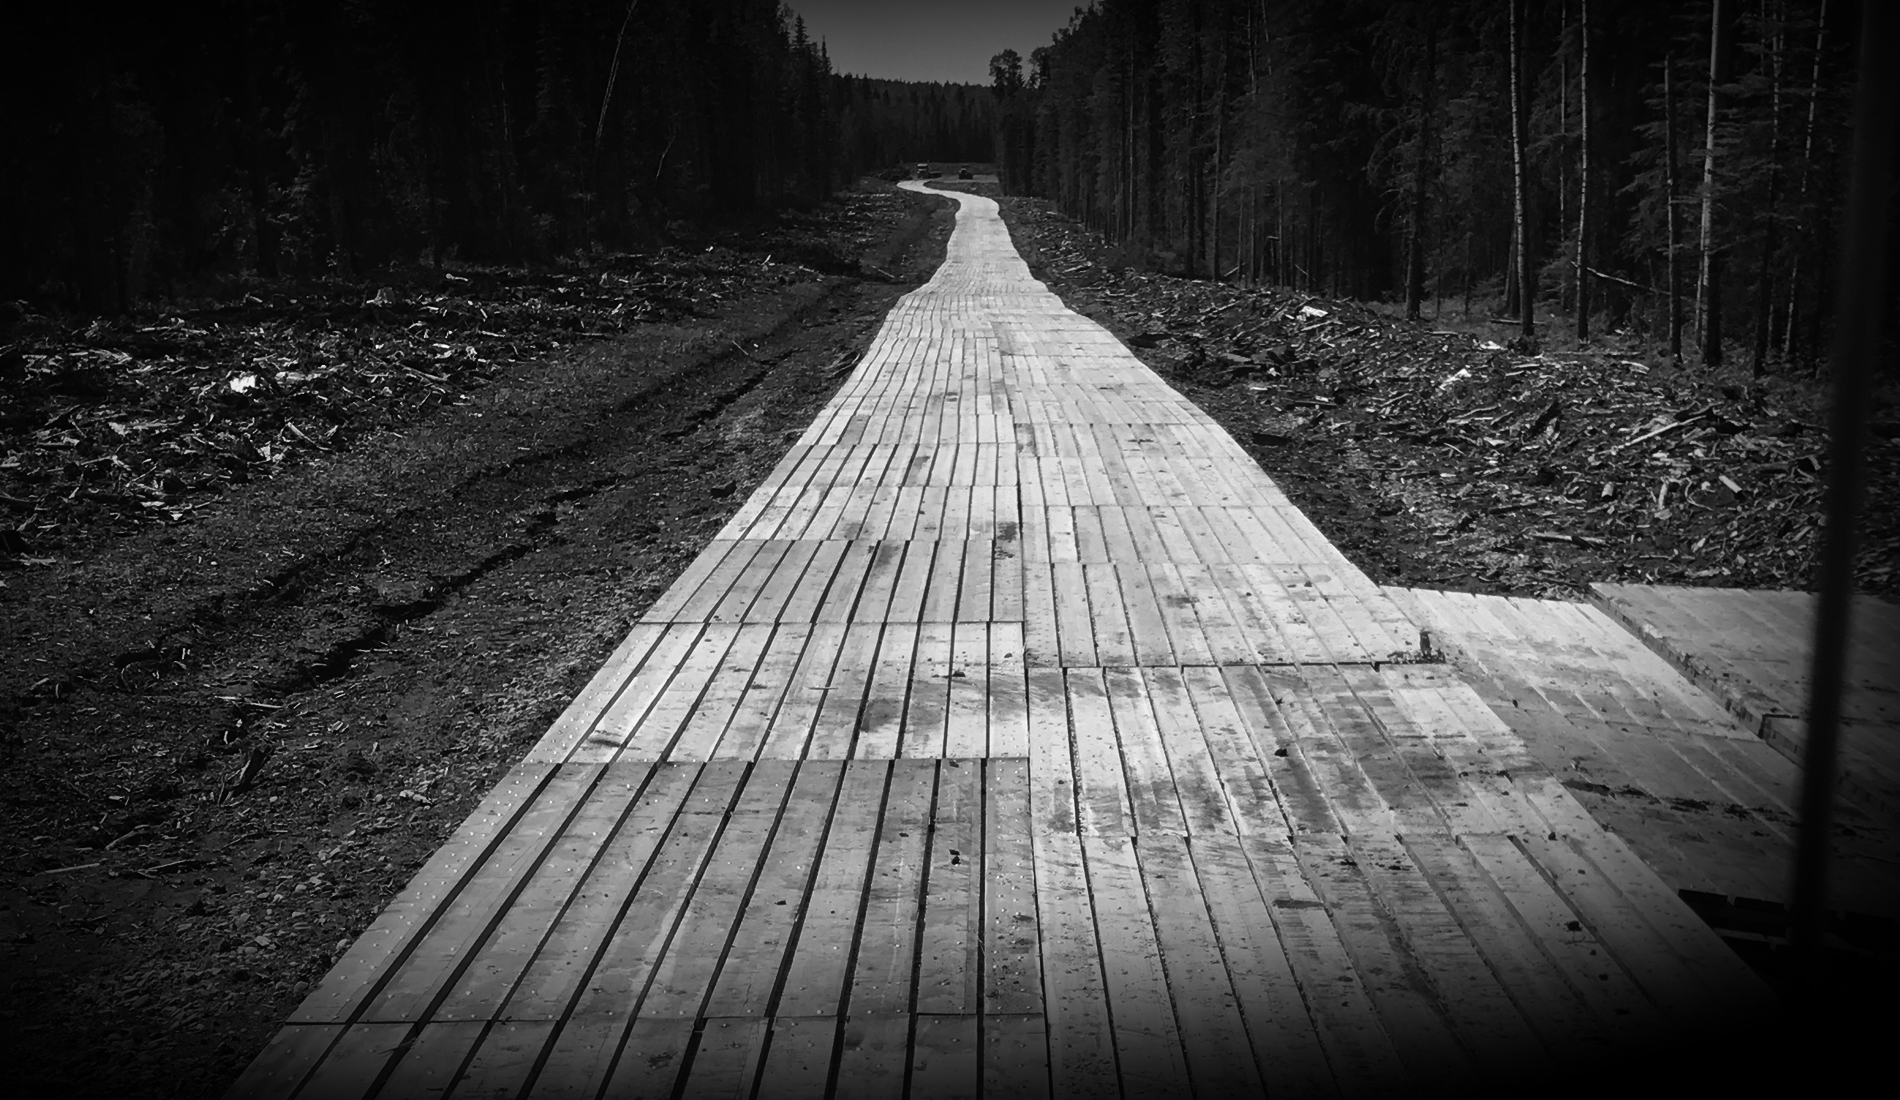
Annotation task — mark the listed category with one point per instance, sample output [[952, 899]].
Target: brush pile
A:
[[115, 424]]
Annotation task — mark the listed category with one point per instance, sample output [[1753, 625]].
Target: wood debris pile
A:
[[112, 424], [1502, 470]]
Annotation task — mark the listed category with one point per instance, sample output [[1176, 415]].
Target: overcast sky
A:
[[950, 40]]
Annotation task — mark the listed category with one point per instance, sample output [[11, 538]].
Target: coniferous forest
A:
[[1687, 159], [170, 144]]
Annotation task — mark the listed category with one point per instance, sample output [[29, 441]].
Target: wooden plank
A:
[[648, 1064], [791, 723], [362, 970], [913, 583], [1051, 763], [749, 974], [1007, 702], [286, 1060], [1255, 694], [1152, 794], [1041, 633], [880, 583], [579, 716], [881, 724], [820, 958], [1480, 1010], [683, 975], [948, 968], [798, 1060], [1236, 757], [946, 575], [666, 609], [735, 604], [1091, 544], [427, 970], [429, 1063], [833, 734], [1147, 627], [1147, 1036], [1214, 1038], [1059, 529], [1576, 956], [926, 711], [724, 694], [1359, 1048], [1113, 643], [760, 698], [567, 953], [1015, 1057], [1101, 791], [505, 1060], [618, 976], [882, 977], [719, 581], [501, 959], [1422, 1036], [1177, 601], [944, 1058], [1190, 762], [1081, 1041], [725, 1061], [1619, 924], [615, 723], [841, 599], [656, 730], [1285, 1046], [871, 1058], [966, 730]]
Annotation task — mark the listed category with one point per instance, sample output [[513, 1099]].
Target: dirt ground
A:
[[234, 731]]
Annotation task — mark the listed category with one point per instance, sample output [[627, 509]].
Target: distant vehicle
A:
[[963, 173], [924, 172]]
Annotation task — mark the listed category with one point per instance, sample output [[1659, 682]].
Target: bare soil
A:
[[234, 730]]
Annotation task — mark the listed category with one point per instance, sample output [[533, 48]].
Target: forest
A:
[[1675, 171], [160, 151]]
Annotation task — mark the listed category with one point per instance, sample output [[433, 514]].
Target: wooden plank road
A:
[[1017, 737], [1750, 650], [1708, 804]]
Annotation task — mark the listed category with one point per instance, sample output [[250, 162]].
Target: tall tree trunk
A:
[[1511, 307], [1415, 248], [1583, 173], [1467, 273], [1520, 169], [1669, 184], [1709, 285], [1807, 168], [1765, 279]]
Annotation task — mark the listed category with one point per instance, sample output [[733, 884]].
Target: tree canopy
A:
[[1354, 147], [145, 149]]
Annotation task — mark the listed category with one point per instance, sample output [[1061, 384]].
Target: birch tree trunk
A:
[[1765, 278], [1583, 174], [1520, 170], [1709, 285]]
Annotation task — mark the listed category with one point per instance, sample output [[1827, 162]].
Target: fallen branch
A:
[[1664, 430], [1617, 279]]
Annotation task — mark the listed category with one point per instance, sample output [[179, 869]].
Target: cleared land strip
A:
[[1017, 737]]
